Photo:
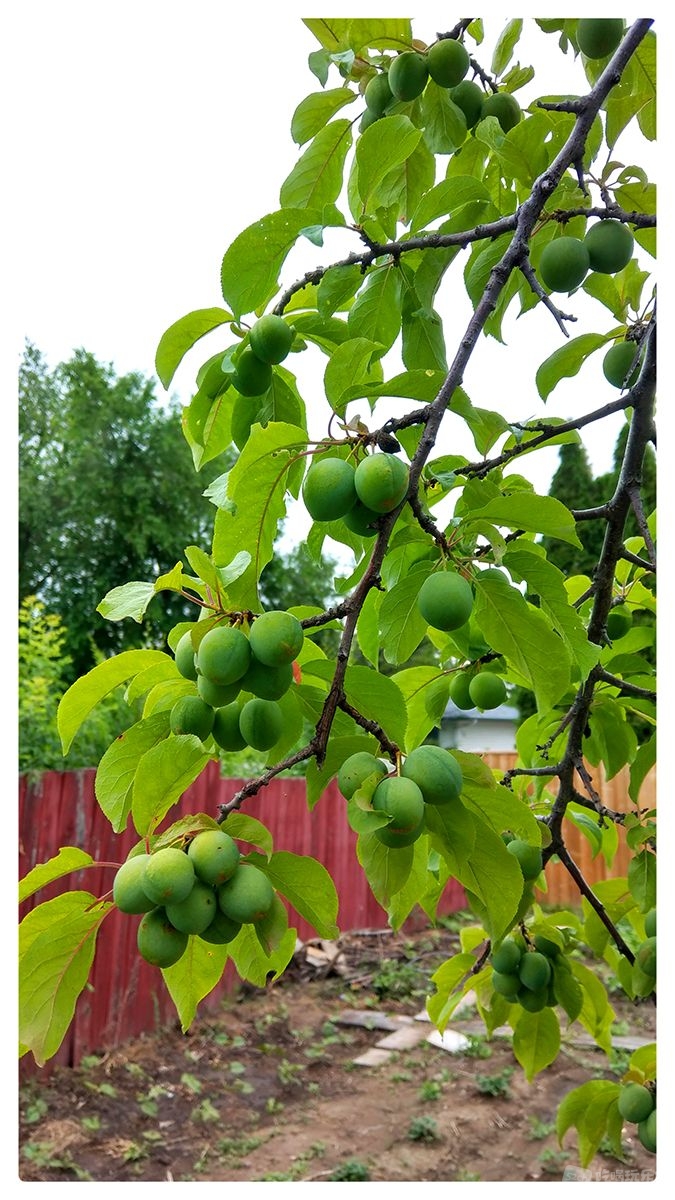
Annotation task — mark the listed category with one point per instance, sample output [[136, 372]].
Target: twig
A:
[[629, 689], [638, 508], [573, 870], [528, 271], [372, 727], [637, 561], [534, 771]]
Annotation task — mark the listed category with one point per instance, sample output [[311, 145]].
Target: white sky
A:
[[148, 135]]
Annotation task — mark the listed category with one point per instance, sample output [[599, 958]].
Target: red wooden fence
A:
[[125, 995]]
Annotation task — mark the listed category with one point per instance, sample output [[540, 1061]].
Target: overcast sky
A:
[[146, 135]]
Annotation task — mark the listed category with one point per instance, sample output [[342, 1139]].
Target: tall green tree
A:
[[106, 493], [576, 487]]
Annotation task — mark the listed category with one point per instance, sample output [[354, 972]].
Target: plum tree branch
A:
[[599, 908]]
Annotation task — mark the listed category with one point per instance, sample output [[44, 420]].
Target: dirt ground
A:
[[266, 1088]]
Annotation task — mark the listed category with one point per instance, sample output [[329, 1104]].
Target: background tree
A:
[[105, 488]]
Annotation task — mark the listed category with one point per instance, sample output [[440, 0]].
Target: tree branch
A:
[[628, 689], [573, 870]]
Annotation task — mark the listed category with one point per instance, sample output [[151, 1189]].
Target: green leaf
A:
[[128, 600], [640, 197], [368, 627], [444, 123], [534, 514], [316, 110], [449, 196], [642, 879], [316, 179], [641, 765], [402, 188], [568, 361], [425, 690], [480, 266], [181, 337], [353, 360], [163, 773], [376, 312], [337, 33], [379, 149], [185, 827], [567, 990], [414, 888], [87, 691], [521, 633], [248, 829], [117, 769], [251, 265], [479, 860], [447, 996], [587, 1109], [376, 696], [612, 740], [402, 627], [194, 975], [307, 885], [386, 870], [524, 562], [503, 53], [253, 963], [645, 63], [337, 287], [57, 940], [423, 341], [536, 1041], [422, 385], [68, 859], [273, 927], [596, 1014], [255, 488], [486, 426]]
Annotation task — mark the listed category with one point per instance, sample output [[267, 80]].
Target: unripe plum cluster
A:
[[446, 62], [204, 889], [269, 343], [637, 1104], [334, 489], [240, 677], [606, 248], [429, 776], [524, 974], [445, 600]]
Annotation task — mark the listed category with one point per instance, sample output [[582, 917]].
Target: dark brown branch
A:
[[428, 524], [637, 561], [533, 771], [615, 211], [628, 689], [261, 781], [387, 745], [573, 870], [429, 241], [618, 818], [528, 271], [638, 509], [547, 432]]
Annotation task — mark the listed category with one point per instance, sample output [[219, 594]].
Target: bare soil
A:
[[266, 1088]]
